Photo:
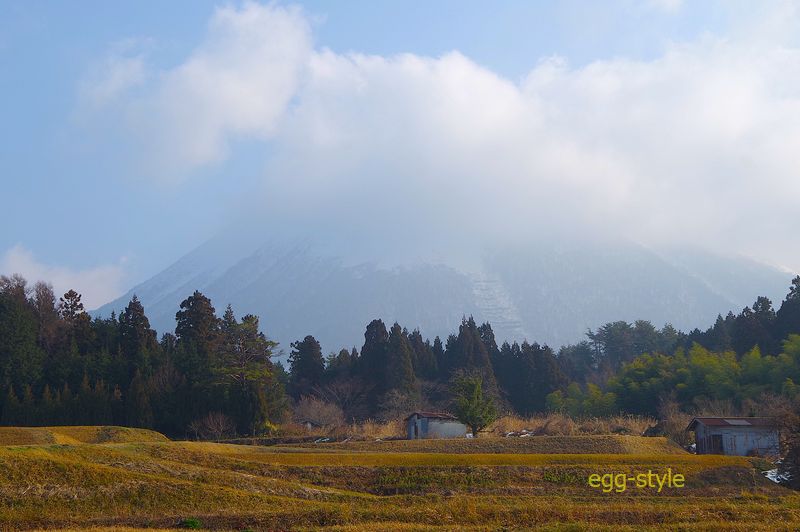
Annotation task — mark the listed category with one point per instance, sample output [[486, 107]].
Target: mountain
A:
[[550, 292]]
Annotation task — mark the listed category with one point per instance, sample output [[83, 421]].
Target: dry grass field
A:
[[75, 435], [584, 444], [485, 484]]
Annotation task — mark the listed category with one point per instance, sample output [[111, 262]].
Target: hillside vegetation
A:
[[412, 487], [76, 435]]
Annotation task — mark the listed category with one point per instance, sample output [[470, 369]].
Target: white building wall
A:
[[434, 428], [442, 428], [738, 441]]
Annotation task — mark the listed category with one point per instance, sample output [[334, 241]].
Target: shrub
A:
[[213, 426], [318, 412], [191, 523]]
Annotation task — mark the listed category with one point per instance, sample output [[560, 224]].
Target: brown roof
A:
[[732, 421], [434, 415]]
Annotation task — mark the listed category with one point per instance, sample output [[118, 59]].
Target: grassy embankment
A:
[[451, 485]]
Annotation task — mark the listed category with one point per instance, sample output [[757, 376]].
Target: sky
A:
[[131, 132]]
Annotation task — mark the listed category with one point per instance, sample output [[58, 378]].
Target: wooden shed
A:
[[741, 436], [434, 425]]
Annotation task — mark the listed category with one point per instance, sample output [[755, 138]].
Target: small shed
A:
[[420, 425], [741, 436]]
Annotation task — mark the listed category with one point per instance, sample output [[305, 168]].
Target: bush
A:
[[191, 523], [318, 412], [560, 424], [213, 426], [674, 422]]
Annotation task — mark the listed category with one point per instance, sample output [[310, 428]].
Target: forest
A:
[[218, 375]]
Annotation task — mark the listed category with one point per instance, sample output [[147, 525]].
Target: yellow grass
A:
[[557, 424], [608, 443], [76, 435], [122, 486]]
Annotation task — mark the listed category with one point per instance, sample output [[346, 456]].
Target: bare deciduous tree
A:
[[213, 426], [318, 412]]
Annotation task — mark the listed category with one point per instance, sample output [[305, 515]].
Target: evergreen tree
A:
[[577, 361], [787, 320], [118, 407], [198, 335], [47, 407], [139, 413], [21, 359], [472, 407], [12, 410], [423, 358], [244, 369], [539, 376], [137, 339], [306, 367], [66, 403], [373, 353], [752, 328], [466, 353], [438, 354], [398, 372]]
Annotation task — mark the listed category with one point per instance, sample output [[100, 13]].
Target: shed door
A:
[[716, 444]]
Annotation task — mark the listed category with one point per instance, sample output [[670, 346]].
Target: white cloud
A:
[[97, 285], [698, 145], [123, 69], [235, 85]]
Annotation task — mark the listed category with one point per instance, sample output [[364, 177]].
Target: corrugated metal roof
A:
[[732, 422], [434, 415]]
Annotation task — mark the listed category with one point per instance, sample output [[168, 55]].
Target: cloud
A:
[[236, 85], [123, 69], [696, 146], [97, 285]]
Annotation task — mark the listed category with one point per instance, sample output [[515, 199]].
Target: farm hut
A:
[[421, 425], [309, 424], [742, 436]]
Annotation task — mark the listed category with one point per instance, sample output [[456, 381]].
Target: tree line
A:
[[60, 366]]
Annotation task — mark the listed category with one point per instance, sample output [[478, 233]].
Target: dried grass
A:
[[557, 424]]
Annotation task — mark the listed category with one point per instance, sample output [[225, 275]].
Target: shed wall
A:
[[737, 441], [434, 428]]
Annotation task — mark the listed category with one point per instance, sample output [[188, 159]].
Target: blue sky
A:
[[84, 205]]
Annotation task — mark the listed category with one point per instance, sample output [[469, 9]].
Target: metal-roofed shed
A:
[[741, 436], [421, 425]]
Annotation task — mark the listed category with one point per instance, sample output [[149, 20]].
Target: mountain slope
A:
[[546, 292]]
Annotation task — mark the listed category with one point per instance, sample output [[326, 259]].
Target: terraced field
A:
[[481, 485], [76, 434]]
